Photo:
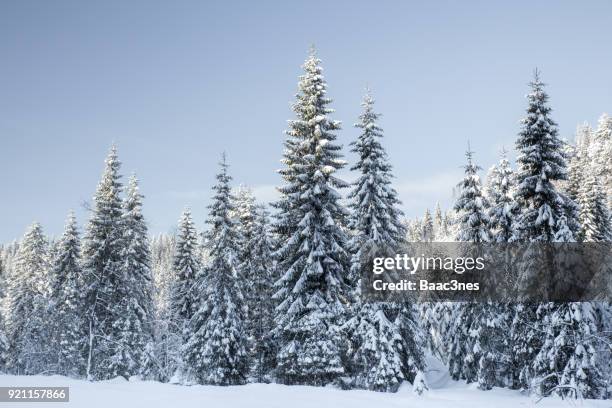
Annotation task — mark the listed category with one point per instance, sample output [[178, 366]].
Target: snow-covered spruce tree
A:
[[103, 272], [386, 340], [185, 295], [548, 216], [259, 270], [133, 341], [313, 256], [216, 353], [567, 362], [503, 210], [28, 330], [66, 303], [256, 263], [375, 214], [595, 219], [541, 163], [472, 206], [476, 334]]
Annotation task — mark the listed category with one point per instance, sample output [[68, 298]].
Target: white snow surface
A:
[[119, 393]]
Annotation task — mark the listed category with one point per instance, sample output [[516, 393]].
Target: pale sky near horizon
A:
[[174, 84]]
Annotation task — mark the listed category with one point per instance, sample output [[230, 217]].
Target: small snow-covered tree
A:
[[503, 209], [472, 206], [216, 353], [66, 303], [28, 295], [313, 256]]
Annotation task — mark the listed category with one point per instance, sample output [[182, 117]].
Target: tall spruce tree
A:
[[28, 296], [67, 303], [541, 163], [104, 273], [313, 256], [542, 211], [383, 355], [134, 312], [548, 216], [216, 353]]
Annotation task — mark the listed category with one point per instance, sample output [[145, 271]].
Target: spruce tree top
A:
[[223, 236], [471, 206], [309, 148], [67, 261], [541, 163], [374, 201]]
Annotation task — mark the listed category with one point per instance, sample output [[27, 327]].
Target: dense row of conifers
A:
[[254, 299]]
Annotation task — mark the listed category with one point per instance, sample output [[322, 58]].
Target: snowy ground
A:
[[119, 393]]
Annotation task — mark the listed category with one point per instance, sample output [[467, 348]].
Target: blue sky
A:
[[176, 83]]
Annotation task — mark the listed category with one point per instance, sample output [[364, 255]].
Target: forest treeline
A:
[[270, 293]]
